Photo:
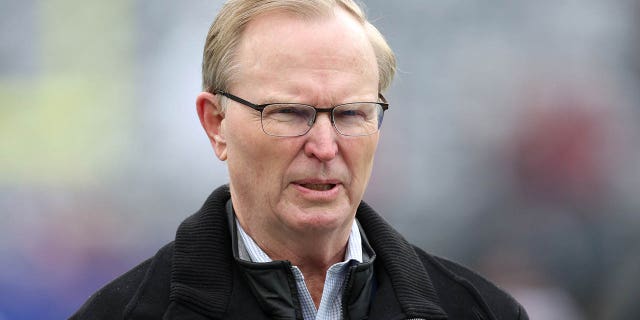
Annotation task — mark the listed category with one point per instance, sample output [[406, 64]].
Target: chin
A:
[[321, 219]]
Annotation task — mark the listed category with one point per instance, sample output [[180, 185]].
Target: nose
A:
[[321, 139]]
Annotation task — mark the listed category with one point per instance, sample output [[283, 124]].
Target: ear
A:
[[212, 120]]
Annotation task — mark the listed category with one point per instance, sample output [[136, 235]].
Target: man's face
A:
[[312, 183]]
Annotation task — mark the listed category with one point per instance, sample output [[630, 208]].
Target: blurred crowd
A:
[[510, 144]]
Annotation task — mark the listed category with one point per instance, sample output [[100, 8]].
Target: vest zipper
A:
[[345, 291]]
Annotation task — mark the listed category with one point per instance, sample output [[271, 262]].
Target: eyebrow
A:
[[275, 99], [271, 98]]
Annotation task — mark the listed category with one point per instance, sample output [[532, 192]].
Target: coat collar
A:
[[409, 278], [201, 277], [276, 289]]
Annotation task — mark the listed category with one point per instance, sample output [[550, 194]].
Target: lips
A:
[[315, 184], [318, 190], [318, 186]]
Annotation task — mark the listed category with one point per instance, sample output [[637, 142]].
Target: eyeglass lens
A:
[[351, 119]]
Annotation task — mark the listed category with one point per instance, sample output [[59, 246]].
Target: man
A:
[[293, 103]]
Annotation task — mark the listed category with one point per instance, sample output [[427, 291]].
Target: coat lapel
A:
[[410, 281], [201, 274]]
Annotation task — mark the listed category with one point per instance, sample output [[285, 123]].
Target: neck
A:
[[313, 255]]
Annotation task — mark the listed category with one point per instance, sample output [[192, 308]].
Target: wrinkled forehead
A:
[[278, 41]]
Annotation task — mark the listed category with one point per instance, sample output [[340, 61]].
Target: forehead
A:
[[280, 48]]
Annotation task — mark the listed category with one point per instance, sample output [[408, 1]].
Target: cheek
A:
[[242, 135], [246, 159], [368, 148], [259, 159], [359, 156], [243, 152]]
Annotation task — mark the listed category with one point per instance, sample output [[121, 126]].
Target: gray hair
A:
[[219, 66]]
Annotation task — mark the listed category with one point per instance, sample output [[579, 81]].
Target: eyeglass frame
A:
[[260, 107]]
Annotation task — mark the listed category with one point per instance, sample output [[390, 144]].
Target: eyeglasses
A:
[[296, 119]]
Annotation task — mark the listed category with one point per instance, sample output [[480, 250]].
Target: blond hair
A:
[[218, 65]]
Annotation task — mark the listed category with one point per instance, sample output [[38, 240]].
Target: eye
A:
[[288, 112], [351, 112]]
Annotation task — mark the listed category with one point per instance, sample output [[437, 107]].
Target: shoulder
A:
[[145, 283], [453, 280]]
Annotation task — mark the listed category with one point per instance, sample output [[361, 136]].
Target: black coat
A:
[[196, 277]]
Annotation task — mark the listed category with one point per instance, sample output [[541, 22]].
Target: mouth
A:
[[318, 186], [317, 190]]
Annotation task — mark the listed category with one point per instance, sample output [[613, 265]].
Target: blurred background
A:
[[510, 145]]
